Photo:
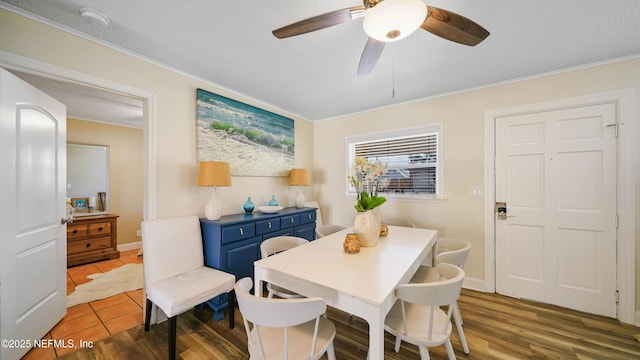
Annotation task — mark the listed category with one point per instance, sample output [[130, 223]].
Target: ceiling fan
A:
[[391, 20]]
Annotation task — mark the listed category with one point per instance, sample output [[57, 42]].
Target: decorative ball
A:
[[351, 243], [384, 228]]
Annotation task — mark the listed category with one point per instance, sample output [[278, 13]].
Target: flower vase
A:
[[367, 226]]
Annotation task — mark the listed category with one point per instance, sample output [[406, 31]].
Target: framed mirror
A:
[[88, 178]]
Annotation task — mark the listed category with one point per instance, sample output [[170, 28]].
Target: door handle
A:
[[501, 209], [70, 214]]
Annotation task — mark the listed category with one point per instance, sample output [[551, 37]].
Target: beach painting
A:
[[253, 141]]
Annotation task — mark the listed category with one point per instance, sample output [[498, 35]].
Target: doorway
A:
[[36, 68], [624, 212], [27, 65]]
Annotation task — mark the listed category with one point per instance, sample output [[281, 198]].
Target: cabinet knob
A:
[[291, 220], [100, 228], [269, 224], [309, 216], [241, 231], [75, 231]]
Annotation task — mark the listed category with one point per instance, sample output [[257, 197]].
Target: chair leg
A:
[[331, 353], [398, 342], [458, 320], [424, 353], [173, 322], [232, 308], [449, 347], [147, 317]]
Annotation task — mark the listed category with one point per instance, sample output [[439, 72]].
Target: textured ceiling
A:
[[229, 43]]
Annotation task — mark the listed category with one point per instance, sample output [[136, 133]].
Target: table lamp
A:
[[299, 177], [214, 173]]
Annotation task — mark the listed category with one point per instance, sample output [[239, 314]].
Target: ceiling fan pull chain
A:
[[393, 71]]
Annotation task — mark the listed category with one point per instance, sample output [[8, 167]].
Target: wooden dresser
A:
[[92, 238]]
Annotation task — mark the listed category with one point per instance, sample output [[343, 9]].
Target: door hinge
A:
[[617, 221], [616, 128], [617, 297]]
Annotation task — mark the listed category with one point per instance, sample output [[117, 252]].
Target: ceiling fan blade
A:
[[454, 27], [370, 56], [319, 22]]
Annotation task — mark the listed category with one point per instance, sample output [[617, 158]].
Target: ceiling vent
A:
[[95, 17]]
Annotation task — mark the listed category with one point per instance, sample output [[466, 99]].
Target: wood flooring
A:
[[496, 327]]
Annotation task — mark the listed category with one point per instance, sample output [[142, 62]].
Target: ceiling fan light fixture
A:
[[392, 20]]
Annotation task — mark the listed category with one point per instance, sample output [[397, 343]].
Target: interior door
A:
[[33, 288], [556, 175]]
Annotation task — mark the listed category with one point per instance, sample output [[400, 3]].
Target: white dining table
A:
[[361, 284]]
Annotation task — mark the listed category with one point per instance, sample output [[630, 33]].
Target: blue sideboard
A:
[[232, 243]]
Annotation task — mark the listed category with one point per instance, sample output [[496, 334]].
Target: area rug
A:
[[125, 278]]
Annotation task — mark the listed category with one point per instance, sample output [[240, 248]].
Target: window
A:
[[413, 159]]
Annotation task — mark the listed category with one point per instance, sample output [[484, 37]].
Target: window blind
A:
[[412, 161]]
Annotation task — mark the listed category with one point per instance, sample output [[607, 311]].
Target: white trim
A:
[[625, 106], [130, 246], [28, 65], [474, 283]]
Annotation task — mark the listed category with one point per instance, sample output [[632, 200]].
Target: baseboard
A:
[[130, 246], [474, 284]]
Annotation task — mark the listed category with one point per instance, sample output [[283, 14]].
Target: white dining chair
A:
[[323, 229], [450, 251], [175, 277], [273, 246], [285, 328], [417, 316]]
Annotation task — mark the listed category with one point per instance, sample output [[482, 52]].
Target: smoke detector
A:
[[95, 17]]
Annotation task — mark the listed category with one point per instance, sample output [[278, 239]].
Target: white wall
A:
[[462, 116], [175, 125]]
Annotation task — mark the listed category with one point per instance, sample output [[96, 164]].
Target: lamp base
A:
[[300, 198], [213, 208]]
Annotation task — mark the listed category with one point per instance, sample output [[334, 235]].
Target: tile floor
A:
[[97, 319]]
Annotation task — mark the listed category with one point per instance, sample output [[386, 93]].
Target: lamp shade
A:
[[392, 20], [214, 173], [300, 177]]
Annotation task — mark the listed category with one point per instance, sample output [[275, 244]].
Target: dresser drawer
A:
[[97, 243], [289, 221], [77, 231], [100, 228], [308, 217], [267, 226], [239, 232]]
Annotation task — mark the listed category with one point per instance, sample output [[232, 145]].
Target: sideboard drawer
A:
[[77, 231], [79, 246], [289, 221], [267, 226], [308, 217], [100, 228], [239, 232]]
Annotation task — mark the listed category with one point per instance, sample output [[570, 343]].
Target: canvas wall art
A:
[[253, 141]]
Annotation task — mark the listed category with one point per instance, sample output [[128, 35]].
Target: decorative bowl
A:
[[269, 209]]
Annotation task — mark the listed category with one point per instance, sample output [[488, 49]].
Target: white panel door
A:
[[33, 245], [556, 172]]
